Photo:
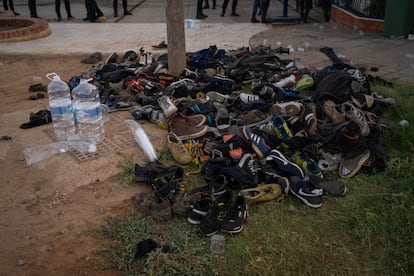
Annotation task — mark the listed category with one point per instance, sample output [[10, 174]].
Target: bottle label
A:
[[88, 113], [61, 110]]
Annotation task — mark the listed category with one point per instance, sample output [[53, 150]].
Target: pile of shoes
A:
[[255, 122]]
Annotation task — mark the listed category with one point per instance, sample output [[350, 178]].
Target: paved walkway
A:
[[146, 27]]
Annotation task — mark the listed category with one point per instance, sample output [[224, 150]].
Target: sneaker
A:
[[309, 118], [350, 166], [187, 127], [167, 106], [334, 188], [154, 170], [177, 149], [235, 221], [306, 191], [258, 144], [180, 205], [251, 166], [262, 193], [308, 165], [217, 214], [272, 176], [333, 112], [150, 204], [234, 145], [287, 109], [248, 98], [92, 59], [355, 114], [214, 167], [282, 165], [214, 188], [281, 128], [227, 100], [198, 208]]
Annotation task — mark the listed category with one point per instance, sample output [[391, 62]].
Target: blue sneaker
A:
[[258, 144], [309, 166], [306, 191]]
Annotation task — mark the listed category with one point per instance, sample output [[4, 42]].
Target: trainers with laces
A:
[[258, 144], [154, 170], [217, 214], [287, 109], [214, 188], [282, 165], [150, 204], [248, 98], [227, 100], [281, 128], [214, 167], [355, 114], [306, 191], [177, 149], [187, 127], [167, 106], [270, 176], [251, 166], [198, 208], [234, 223], [308, 165], [262, 193], [309, 118]]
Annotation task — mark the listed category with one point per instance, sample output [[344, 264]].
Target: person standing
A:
[[9, 4], [233, 7], [200, 14], [124, 6], [92, 11], [326, 7], [32, 8], [67, 8], [304, 6], [264, 6]]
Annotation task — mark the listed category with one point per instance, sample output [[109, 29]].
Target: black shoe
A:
[[127, 13], [217, 214], [16, 13], [115, 14], [214, 188], [39, 118], [265, 21], [222, 13], [156, 170], [235, 14], [206, 7], [86, 19], [235, 221], [199, 204], [254, 20], [201, 16]]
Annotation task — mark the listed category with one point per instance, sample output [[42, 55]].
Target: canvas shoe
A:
[[357, 115], [187, 127], [217, 214], [150, 204], [350, 166], [234, 223], [282, 165], [333, 112], [177, 149], [262, 193], [308, 117], [227, 100], [167, 106], [258, 144], [248, 98], [306, 191]]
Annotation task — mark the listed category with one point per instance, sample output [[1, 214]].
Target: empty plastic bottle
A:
[[88, 112], [61, 108]]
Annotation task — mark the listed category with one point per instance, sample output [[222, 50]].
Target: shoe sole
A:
[[305, 201]]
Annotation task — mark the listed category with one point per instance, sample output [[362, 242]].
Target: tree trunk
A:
[[175, 36]]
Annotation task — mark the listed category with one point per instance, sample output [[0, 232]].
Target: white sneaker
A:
[[248, 98], [289, 80]]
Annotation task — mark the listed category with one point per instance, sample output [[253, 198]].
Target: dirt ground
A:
[[49, 209]]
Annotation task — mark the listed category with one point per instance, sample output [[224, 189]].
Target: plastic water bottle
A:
[[88, 112], [61, 108]]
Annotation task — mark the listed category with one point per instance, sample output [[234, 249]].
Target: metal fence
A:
[[366, 8]]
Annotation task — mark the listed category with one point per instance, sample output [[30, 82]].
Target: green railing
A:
[[366, 8]]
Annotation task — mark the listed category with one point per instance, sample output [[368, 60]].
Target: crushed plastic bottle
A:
[[142, 140], [37, 154]]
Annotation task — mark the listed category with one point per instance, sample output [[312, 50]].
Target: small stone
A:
[[20, 262]]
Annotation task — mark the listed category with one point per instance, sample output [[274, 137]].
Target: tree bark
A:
[[175, 36]]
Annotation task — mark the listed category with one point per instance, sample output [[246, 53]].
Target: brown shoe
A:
[[332, 111], [150, 204], [177, 149], [187, 127]]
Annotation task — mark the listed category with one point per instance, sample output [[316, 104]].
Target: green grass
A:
[[370, 231]]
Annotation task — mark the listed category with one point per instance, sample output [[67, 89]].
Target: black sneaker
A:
[[251, 166], [282, 165], [198, 208], [157, 170], [214, 167], [217, 214], [235, 221], [306, 191], [214, 188]]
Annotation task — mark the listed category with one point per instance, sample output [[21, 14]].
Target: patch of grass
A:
[[126, 175], [368, 231]]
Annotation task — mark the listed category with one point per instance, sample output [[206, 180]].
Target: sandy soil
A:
[[48, 210]]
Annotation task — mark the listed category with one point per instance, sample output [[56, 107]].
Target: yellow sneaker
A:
[[261, 193], [177, 149]]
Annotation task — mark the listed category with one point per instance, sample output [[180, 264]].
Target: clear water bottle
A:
[[61, 108], [88, 112]]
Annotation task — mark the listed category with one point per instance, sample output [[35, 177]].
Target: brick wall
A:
[[342, 16]]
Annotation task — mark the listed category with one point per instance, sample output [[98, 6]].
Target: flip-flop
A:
[[351, 166]]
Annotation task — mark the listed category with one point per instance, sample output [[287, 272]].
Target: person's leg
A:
[[214, 4], [233, 8], [98, 11], [263, 8], [5, 6], [57, 9], [200, 14], [254, 11], [206, 5], [32, 8], [224, 7], [125, 7], [67, 8], [115, 5]]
